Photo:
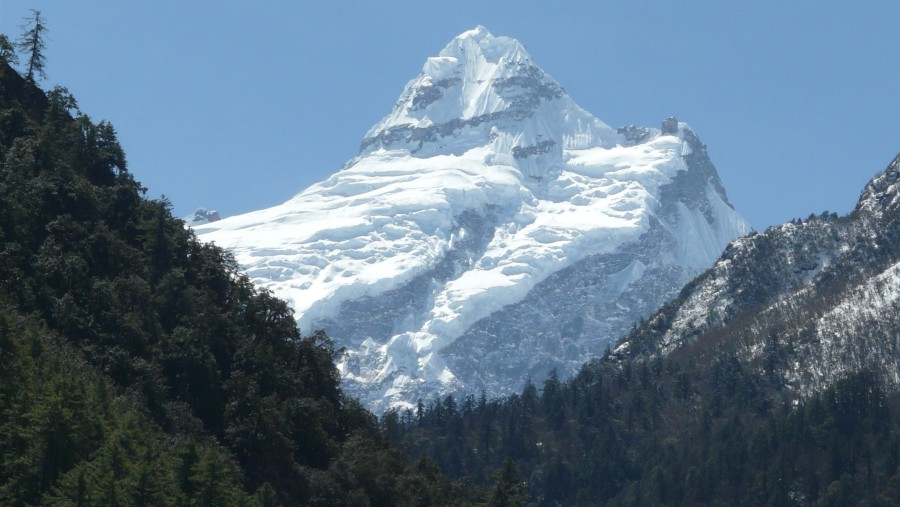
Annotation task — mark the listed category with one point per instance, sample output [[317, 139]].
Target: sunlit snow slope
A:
[[484, 188]]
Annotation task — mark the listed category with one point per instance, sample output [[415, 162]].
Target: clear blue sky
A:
[[237, 106]]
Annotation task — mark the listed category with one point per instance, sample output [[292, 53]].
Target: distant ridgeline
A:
[[137, 366]]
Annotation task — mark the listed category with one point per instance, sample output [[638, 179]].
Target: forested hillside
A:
[[137, 365], [670, 432]]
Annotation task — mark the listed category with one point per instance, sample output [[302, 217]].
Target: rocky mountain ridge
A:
[[811, 300]]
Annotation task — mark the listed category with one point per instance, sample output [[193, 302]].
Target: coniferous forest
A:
[[139, 367], [669, 432]]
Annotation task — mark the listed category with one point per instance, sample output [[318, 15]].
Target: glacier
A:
[[487, 199]]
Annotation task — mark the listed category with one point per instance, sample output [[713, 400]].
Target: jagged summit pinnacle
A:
[[488, 231], [480, 43], [486, 90], [479, 32]]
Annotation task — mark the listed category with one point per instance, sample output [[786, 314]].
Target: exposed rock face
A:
[[812, 299], [634, 134], [201, 216], [670, 125], [489, 230]]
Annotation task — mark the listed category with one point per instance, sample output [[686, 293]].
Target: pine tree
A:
[[32, 44], [8, 51], [211, 481], [507, 491]]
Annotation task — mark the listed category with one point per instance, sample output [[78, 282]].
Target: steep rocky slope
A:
[[811, 300]]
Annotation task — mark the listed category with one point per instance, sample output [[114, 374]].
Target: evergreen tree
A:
[[7, 51], [32, 45], [507, 490]]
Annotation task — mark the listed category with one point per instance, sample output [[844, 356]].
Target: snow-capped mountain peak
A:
[[486, 90], [488, 231], [459, 83]]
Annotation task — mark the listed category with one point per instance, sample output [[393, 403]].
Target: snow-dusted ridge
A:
[[806, 303], [485, 181], [201, 216]]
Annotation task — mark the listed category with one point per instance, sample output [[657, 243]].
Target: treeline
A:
[[667, 432], [138, 366]]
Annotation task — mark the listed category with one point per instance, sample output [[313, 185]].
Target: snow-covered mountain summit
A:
[[488, 231], [485, 90]]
